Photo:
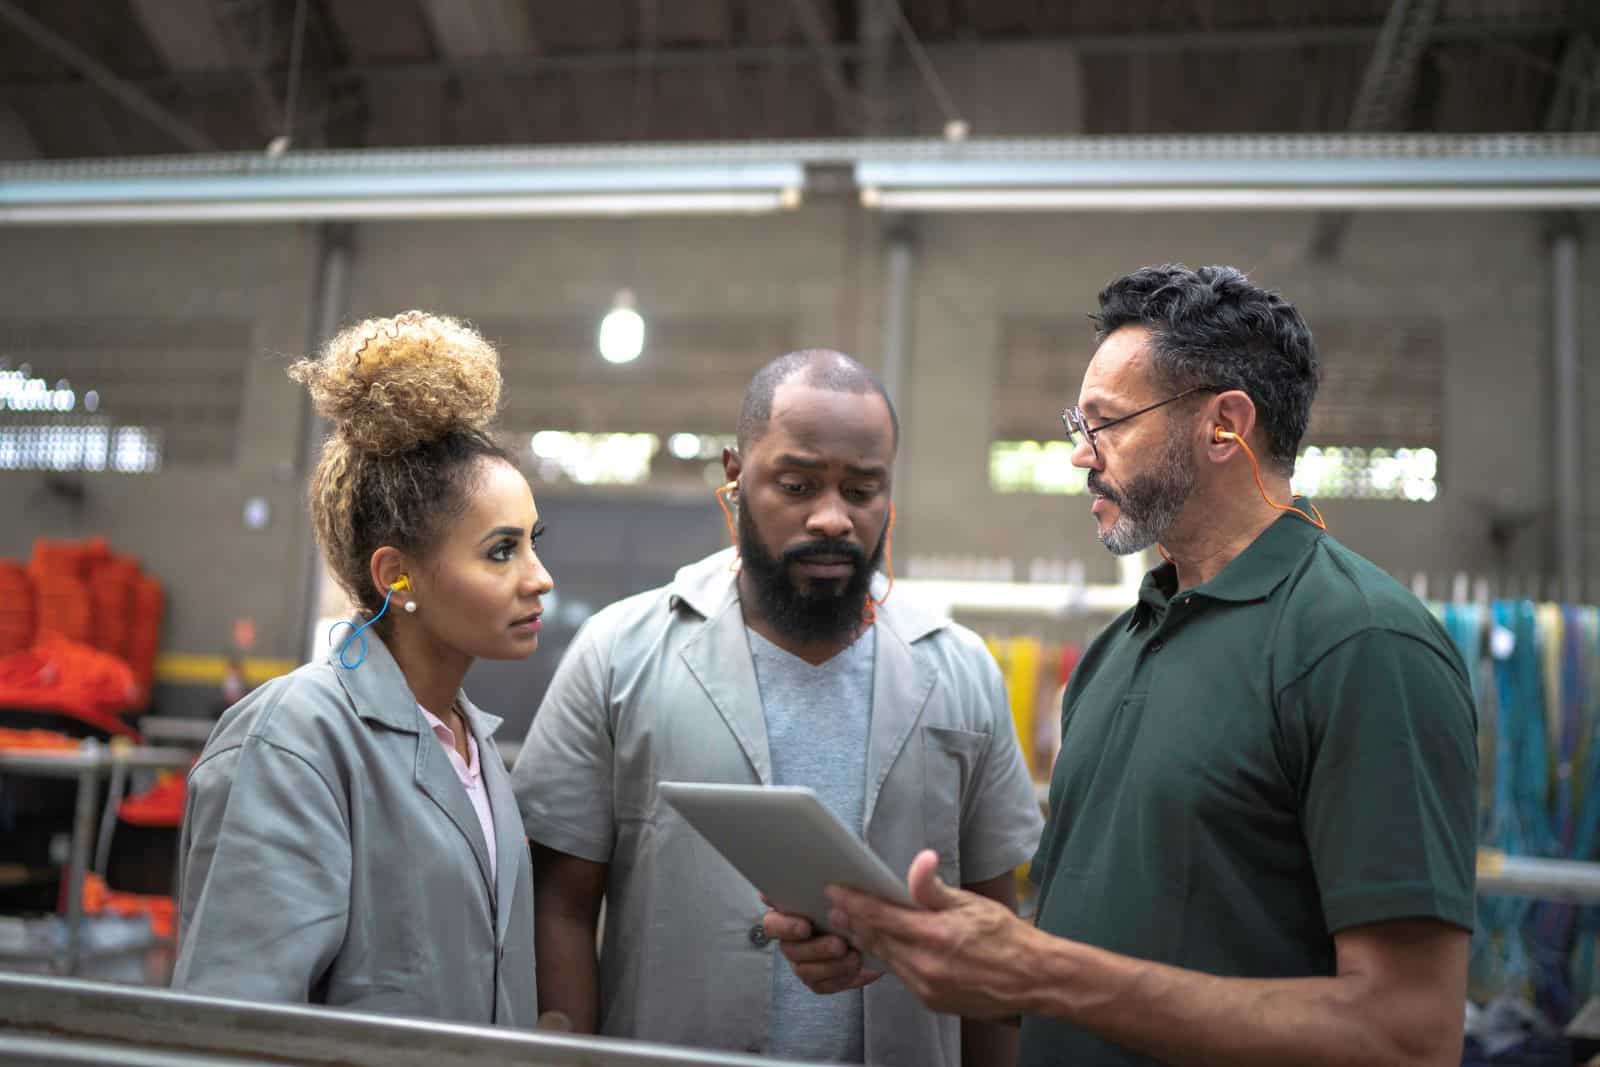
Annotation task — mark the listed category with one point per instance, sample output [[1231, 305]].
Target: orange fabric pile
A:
[[61, 675], [161, 805], [101, 899], [18, 608], [36, 741], [79, 632]]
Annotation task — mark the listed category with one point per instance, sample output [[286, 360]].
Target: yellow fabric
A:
[[1552, 634]]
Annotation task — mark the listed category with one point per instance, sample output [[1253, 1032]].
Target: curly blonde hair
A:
[[411, 399]]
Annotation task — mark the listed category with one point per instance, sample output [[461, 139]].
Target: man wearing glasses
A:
[[1262, 822]]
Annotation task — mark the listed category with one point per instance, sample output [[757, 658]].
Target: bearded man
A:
[[786, 661], [1262, 825]]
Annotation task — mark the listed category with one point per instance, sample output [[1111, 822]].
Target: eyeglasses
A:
[[1073, 419]]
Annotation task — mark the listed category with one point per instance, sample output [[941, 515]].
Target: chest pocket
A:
[[949, 766]]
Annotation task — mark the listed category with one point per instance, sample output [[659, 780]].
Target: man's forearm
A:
[[569, 973], [1187, 1018]]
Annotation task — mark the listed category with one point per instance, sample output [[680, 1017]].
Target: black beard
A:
[[830, 609]]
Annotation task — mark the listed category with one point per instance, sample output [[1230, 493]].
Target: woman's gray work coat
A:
[[331, 855]]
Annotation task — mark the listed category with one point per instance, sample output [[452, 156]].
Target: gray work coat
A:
[[331, 855], [662, 686]]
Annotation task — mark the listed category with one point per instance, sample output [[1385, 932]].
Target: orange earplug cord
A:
[[1219, 434], [1228, 435]]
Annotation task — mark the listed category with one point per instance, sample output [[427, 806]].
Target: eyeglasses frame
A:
[[1075, 422]]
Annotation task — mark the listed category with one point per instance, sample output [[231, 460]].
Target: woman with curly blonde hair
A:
[[351, 836]]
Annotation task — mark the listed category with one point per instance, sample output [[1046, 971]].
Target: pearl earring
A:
[[411, 607]]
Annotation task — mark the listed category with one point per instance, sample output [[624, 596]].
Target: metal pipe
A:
[[1542, 879], [78, 858], [329, 301], [900, 259], [115, 791], [145, 1020], [1565, 381]]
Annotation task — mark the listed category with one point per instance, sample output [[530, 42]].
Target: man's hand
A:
[[825, 964], [964, 954]]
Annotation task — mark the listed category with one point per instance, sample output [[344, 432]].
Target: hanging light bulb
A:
[[622, 330]]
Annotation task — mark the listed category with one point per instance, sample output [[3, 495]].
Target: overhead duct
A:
[[1504, 172]]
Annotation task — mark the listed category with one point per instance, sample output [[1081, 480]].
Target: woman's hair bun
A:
[[391, 384]]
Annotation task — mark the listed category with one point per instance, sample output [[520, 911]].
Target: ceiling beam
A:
[[129, 95], [833, 75], [1105, 44], [194, 35], [1572, 104], [875, 30], [1388, 87], [186, 33], [468, 29]]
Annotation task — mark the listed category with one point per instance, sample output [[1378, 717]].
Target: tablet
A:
[[787, 844]]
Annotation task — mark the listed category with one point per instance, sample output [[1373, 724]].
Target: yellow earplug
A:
[[402, 584], [1224, 435]]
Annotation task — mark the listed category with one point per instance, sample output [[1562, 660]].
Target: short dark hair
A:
[[1214, 327], [821, 368]]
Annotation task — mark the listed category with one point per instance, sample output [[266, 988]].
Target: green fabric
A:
[[1251, 765]]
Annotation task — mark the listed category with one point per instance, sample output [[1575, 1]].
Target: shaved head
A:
[[819, 368]]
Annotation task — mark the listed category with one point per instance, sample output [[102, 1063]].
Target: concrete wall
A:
[[1482, 275]]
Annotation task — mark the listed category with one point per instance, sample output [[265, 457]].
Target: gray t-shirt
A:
[[817, 724]]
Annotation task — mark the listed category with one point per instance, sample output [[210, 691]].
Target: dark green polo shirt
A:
[[1251, 765]]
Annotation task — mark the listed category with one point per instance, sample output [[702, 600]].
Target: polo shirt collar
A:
[[1252, 575]]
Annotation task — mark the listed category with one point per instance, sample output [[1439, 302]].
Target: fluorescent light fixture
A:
[[349, 186], [1237, 199], [1163, 182], [722, 203]]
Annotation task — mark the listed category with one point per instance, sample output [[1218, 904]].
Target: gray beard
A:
[[1150, 503]]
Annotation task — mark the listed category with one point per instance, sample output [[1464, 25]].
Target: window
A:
[[1035, 467], [163, 392], [79, 445], [1367, 474], [628, 458], [594, 458], [1408, 474], [49, 427]]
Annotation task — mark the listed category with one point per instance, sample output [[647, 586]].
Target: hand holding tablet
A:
[[787, 844]]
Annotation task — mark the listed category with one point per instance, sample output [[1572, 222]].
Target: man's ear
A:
[[1233, 415]]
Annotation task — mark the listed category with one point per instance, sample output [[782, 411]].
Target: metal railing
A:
[[60, 1021], [87, 765]]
